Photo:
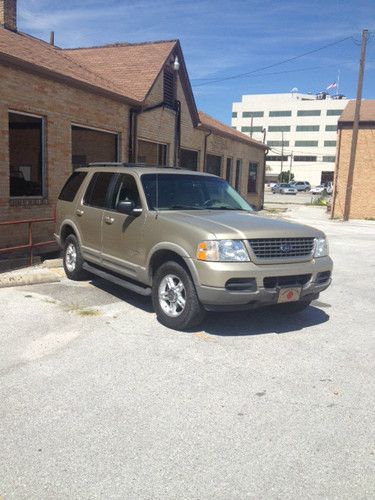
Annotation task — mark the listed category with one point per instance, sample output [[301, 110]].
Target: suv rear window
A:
[[71, 186], [96, 193]]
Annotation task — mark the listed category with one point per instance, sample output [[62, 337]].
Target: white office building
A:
[[300, 130]]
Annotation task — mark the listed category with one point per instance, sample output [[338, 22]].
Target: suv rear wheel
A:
[[174, 297], [72, 259]]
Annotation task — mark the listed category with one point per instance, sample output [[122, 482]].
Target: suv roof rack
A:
[[128, 165]]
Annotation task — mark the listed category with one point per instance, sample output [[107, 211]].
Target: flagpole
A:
[[338, 82]]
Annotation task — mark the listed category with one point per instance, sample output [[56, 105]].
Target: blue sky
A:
[[225, 37]]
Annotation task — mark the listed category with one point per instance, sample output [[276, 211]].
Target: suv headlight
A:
[[321, 247], [222, 251]]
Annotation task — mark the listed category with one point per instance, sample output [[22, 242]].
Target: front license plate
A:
[[288, 295]]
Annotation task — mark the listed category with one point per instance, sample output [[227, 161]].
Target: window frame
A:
[[43, 146]]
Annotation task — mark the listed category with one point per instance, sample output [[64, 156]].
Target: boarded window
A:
[[26, 155], [213, 165], [189, 159], [252, 179], [89, 145], [228, 173], [237, 184]]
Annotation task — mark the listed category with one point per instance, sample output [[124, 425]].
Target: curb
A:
[[52, 263], [28, 279]]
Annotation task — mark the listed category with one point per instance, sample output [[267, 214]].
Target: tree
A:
[[284, 176]]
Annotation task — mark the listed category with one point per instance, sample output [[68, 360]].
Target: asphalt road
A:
[[101, 401]]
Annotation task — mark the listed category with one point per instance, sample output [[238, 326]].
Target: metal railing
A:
[[30, 245]]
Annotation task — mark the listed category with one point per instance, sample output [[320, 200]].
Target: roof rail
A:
[[128, 165]]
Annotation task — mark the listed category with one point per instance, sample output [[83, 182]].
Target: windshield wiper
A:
[[183, 207]]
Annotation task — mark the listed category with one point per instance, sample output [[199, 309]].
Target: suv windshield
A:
[[190, 192]]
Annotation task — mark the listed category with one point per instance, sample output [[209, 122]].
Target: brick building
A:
[[362, 203], [62, 108]]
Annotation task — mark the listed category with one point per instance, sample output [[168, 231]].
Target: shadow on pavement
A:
[[261, 321]]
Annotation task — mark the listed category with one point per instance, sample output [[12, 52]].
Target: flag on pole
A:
[[332, 86]]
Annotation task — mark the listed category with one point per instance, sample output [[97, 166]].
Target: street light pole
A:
[[290, 166], [282, 156]]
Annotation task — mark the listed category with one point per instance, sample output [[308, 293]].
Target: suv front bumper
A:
[[219, 297]]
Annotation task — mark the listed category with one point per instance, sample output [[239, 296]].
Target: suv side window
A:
[[96, 193], [71, 186], [125, 190]]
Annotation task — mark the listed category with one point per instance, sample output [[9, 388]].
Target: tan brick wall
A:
[[363, 199]]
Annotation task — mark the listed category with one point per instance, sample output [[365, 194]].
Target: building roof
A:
[[211, 124], [131, 67], [367, 113]]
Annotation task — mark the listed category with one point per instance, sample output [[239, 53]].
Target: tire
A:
[[72, 259], [175, 299], [293, 307]]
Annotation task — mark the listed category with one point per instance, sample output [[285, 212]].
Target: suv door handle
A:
[[79, 212], [109, 220]]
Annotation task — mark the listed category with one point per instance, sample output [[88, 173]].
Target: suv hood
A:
[[240, 225]]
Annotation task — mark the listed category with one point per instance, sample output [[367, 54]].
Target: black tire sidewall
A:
[[78, 273], [193, 313]]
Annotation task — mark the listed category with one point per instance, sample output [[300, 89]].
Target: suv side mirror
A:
[[128, 208]]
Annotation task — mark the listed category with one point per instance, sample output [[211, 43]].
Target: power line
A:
[[241, 75]]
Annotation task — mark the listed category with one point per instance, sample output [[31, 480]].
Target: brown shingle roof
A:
[[209, 123], [131, 67], [367, 113]]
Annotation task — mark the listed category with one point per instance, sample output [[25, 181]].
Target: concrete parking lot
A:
[[288, 199], [101, 401]]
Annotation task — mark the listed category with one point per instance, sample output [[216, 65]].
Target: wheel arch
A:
[[170, 252]]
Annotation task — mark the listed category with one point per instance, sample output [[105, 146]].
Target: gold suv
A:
[[188, 239]]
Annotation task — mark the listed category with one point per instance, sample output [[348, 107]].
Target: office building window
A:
[[304, 158], [251, 129], [300, 144], [307, 128], [329, 159], [278, 143], [252, 114], [276, 158], [279, 128], [330, 144], [334, 112], [234, 114], [308, 112], [279, 113], [331, 128]]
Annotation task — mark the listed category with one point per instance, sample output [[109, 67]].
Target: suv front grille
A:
[[276, 248], [297, 280]]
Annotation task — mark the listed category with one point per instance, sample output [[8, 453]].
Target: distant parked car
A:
[[284, 188], [318, 189], [329, 187], [301, 185]]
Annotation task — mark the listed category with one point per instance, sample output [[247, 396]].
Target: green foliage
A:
[[284, 176]]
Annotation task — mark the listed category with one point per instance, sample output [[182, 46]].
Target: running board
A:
[[142, 290]]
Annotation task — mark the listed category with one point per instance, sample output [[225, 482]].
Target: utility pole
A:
[[282, 156], [290, 166], [353, 150], [251, 126]]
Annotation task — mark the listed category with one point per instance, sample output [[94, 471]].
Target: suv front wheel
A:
[[174, 297]]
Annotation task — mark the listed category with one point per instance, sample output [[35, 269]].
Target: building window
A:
[[252, 114], [309, 112], [278, 143], [152, 153], [90, 145], [26, 155], [329, 159], [330, 144], [279, 128], [334, 112], [331, 128], [213, 165], [306, 144], [228, 173], [304, 158], [251, 129], [237, 184], [279, 113], [188, 159], [234, 114], [252, 179], [169, 87], [276, 158], [307, 128]]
